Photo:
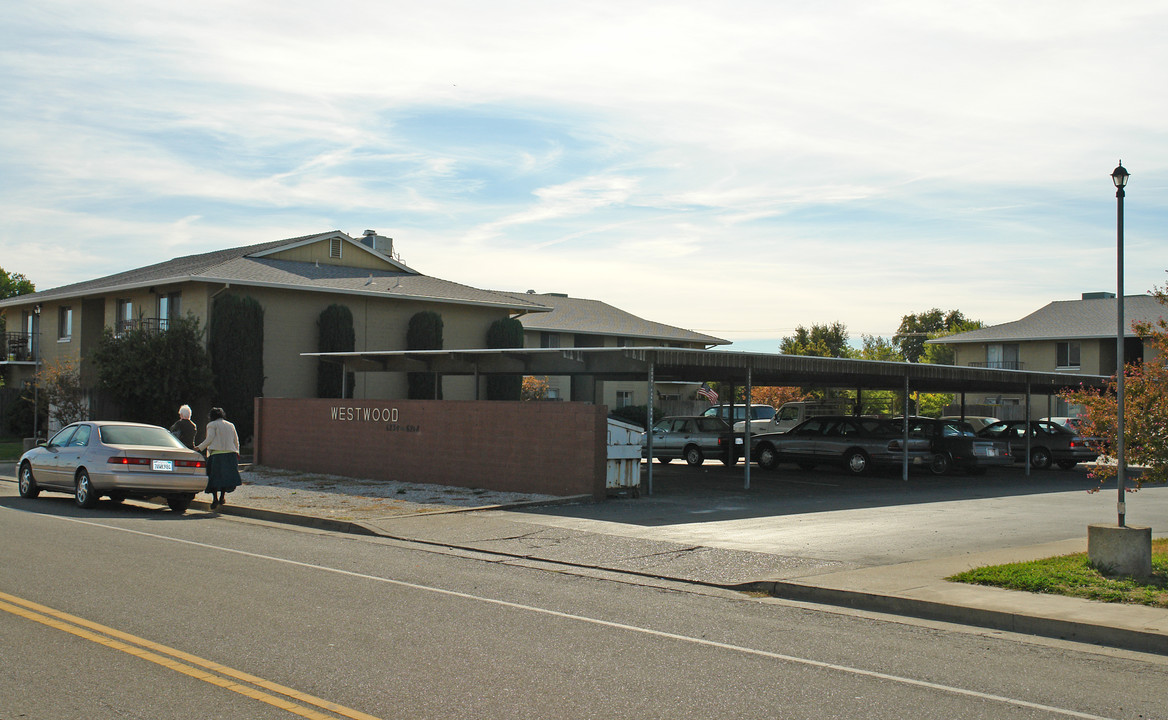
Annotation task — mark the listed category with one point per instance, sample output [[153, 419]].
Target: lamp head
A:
[[1119, 175]]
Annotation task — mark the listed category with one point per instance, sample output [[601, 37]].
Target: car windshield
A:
[[135, 435]]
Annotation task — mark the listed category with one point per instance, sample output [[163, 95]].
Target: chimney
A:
[[1098, 295], [381, 244]]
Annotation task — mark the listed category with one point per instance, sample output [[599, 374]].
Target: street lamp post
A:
[[36, 368], [1119, 176]]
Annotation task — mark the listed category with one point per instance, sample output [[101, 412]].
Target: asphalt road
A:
[[134, 612]]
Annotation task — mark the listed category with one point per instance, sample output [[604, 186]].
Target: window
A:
[[1067, 355], [125, 316], [168, 309], [624, 398], [335, 248], [1003, 357], [549, 340], [64, 323]]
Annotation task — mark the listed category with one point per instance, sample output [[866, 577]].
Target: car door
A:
[[46, 465], [71, 453], [801, 442]]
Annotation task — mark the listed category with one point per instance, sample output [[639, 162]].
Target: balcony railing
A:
[[998, 365], [148, 324], [17, 347]]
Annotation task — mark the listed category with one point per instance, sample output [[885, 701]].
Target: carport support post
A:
[[1028, 429], [745, 430], [649, 430], [904, 450], [343, 374]]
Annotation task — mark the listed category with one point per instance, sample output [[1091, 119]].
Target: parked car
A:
[[118, 459], [1049, 443], [693, 438], [857, 443], [760, 415], [792, 413], [954, 444], [977, 422]]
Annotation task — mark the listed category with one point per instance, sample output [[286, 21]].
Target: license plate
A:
[[162, 465]]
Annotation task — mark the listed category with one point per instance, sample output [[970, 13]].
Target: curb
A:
[[1102, 635]]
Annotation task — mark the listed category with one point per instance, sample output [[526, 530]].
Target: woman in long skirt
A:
[[222, 446]]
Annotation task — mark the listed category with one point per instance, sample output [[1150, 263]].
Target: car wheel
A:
[[179, 503], [1040, 458], [664, 460], [856, 462], [940, 463], [767, 457], [84, 493], [693, 455], [1067, 464], [27, 484]]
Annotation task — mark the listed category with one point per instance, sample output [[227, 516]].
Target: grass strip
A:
[[1074, 576]]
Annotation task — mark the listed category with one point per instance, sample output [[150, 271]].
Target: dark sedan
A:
[[1049, 443], [856, 443], [91, 459], [955, 444]]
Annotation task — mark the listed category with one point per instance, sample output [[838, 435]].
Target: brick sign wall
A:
[[540, 447]]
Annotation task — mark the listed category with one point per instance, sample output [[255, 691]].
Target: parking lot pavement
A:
[[875, 543]]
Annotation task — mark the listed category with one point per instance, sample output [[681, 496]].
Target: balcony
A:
[[998, 365], [17, 347]]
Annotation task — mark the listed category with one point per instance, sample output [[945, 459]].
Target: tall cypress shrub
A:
[[424, 333], [336, 335], [506, 333], [237, 358]]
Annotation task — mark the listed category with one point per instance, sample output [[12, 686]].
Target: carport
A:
[[653, 364]]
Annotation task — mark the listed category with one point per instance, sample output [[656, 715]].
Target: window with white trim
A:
[[1067, 356], [64, 322]]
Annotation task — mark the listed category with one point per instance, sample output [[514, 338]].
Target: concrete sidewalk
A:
[[729, 548]]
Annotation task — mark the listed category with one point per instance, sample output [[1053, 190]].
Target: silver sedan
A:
[[92, 459]]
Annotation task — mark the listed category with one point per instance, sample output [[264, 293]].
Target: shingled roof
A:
[[1092, 317], [248, 266], [593, 317]]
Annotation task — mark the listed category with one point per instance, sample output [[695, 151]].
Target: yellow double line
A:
[[256, 688]]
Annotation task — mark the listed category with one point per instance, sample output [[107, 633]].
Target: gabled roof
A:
[[593, 317], [253, 265], [1085, 319]]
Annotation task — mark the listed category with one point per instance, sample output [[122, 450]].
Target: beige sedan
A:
[[117, 459]]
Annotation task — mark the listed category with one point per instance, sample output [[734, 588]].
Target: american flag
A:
[[708, 394]]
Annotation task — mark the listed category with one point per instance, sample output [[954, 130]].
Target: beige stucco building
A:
[[294, 280]]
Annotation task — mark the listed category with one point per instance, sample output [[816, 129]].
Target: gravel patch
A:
[[344, 498]]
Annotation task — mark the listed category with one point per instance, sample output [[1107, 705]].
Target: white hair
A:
[[184, 412]]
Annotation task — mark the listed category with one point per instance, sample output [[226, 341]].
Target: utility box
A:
[[624, 458]]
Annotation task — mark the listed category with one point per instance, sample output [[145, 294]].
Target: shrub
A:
[[237, 358], [424, 333], [505, 333], [336, 335], [148, 373]]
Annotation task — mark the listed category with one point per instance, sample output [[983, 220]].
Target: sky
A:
[[734, 168]]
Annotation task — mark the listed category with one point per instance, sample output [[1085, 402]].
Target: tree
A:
[[1145, 408], [915, 328], [150, 373], [237, 358], [775, 396], [336, 334], [535, 388], [424, 333], [60, 384], [819, 341], [937, 354], [11, 285]]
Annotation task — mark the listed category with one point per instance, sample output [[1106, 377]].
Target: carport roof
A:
[[692, 365]]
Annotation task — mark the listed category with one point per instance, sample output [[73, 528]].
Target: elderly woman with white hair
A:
[[185, 428]]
